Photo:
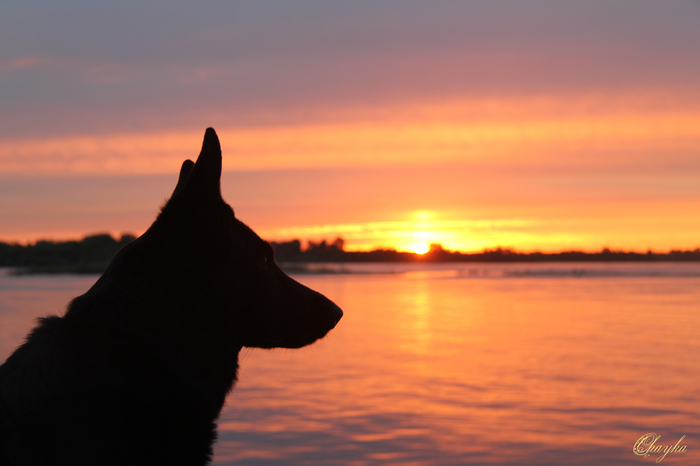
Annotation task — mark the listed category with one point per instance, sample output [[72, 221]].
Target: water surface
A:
[[460, 364]]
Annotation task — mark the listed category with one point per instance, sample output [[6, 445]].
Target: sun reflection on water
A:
[[427, 369]]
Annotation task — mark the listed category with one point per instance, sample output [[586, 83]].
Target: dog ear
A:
[[184, 175], [205, 176]]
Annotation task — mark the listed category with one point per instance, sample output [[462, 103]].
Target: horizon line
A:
[[435, 248]]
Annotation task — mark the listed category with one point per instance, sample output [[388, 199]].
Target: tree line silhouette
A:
[[89, 255], [333, 252], [93, 253]]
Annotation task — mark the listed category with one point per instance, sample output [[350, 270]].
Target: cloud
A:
[[536, 132]]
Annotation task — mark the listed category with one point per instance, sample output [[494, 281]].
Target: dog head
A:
[[224, 276]]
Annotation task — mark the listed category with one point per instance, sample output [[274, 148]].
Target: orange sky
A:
[[554, 127]]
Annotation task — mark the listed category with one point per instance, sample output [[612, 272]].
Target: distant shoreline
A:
[[92, 254]]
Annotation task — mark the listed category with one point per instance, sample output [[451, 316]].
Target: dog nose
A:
[[336, 314]]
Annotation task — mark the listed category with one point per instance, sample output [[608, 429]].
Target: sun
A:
[[420, 248]]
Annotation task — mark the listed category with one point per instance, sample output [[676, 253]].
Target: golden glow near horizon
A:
[[630, 233], [417, 235]]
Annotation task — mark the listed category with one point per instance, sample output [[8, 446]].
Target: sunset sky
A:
[[538, 125]]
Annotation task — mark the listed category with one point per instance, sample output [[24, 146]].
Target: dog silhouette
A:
[[137, 369]]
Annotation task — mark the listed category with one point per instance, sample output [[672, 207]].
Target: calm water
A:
[[465, 364]]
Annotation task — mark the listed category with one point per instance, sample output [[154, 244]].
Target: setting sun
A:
[[420, 248]]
